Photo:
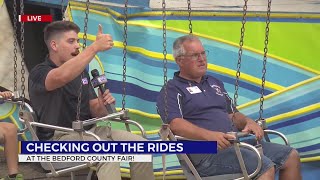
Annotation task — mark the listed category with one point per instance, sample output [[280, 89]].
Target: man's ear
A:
[[178, 60], [53, 45]]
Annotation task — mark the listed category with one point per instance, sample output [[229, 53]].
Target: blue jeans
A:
[[226, 161]]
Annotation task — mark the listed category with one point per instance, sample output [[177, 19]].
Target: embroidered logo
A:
[[84, 81], [218, 90]]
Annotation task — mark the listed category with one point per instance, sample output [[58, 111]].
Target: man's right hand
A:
[[221, 138], [6, 94], [103, 41]]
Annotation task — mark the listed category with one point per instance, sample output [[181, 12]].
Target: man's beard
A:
[[75, 53]]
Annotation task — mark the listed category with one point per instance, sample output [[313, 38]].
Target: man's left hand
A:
[[107, 98], [253, 127]]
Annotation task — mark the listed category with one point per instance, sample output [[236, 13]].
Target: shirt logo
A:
[[84, 81], [218, 90]]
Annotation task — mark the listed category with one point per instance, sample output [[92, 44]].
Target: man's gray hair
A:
[[178, 48]]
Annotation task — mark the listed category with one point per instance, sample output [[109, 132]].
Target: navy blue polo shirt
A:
[[205, 104]]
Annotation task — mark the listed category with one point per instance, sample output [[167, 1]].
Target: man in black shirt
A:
[[54, 89]]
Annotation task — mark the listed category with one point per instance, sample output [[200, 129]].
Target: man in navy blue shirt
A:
[[199, 107]]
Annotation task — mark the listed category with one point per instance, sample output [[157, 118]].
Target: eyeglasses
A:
[[195, 56]]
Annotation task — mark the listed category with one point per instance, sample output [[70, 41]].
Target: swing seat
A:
[[191, 173], [29, 120]]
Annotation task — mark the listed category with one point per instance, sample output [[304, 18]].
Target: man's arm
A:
[[188, 130], [245, 124], [240, 120], [69, 70]]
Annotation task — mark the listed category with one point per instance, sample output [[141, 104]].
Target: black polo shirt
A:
[[205, 104], [58, 107]]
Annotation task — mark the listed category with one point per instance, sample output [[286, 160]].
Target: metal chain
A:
[[264, 69], [22, 55], [165, 61], [189, 16], [84, 46], [240, 57], [125, 43], [15, 44], [62, 10]]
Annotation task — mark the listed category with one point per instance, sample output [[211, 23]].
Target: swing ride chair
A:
[[166, 134], [29, 119]]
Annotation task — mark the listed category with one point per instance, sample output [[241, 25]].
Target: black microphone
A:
[[100, 81]]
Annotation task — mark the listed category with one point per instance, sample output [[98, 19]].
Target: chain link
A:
[[84, 46], [165, 61], [264, 69], [22, 55], [125, 43], [15, 44], [62, 10], [189, 16], [239, 57]]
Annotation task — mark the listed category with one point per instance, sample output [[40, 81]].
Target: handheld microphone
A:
[[99, 81]]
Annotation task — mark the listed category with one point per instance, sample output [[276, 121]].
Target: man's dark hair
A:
[[58, 27]]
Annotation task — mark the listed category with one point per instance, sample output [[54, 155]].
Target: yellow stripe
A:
[[229, 43], [69, 12], [225, 14], [80, 35], [14, 106], [246, 77], [125, 172], [281, 91], [135, 111], [196, 13], [310, 159], [19, 147], [173, 172], [99, 62], [211, 67], [209, 37], [293, 63], [294, 113], [152, 132]]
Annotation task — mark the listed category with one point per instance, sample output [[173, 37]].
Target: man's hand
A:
[[103, 41], [253, 127], [221, 138], [107, 97], [6, 94]]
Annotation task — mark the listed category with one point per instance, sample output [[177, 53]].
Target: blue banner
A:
[[118, 147]]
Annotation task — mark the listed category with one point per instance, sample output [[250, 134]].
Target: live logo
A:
[[35, 18]]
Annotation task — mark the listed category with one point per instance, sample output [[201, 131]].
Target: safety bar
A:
[[282, 136], [132, 122], [29, 122], [250, 147], [165, 130]]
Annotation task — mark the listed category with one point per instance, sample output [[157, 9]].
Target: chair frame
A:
[[29, 120], [191, 173]]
